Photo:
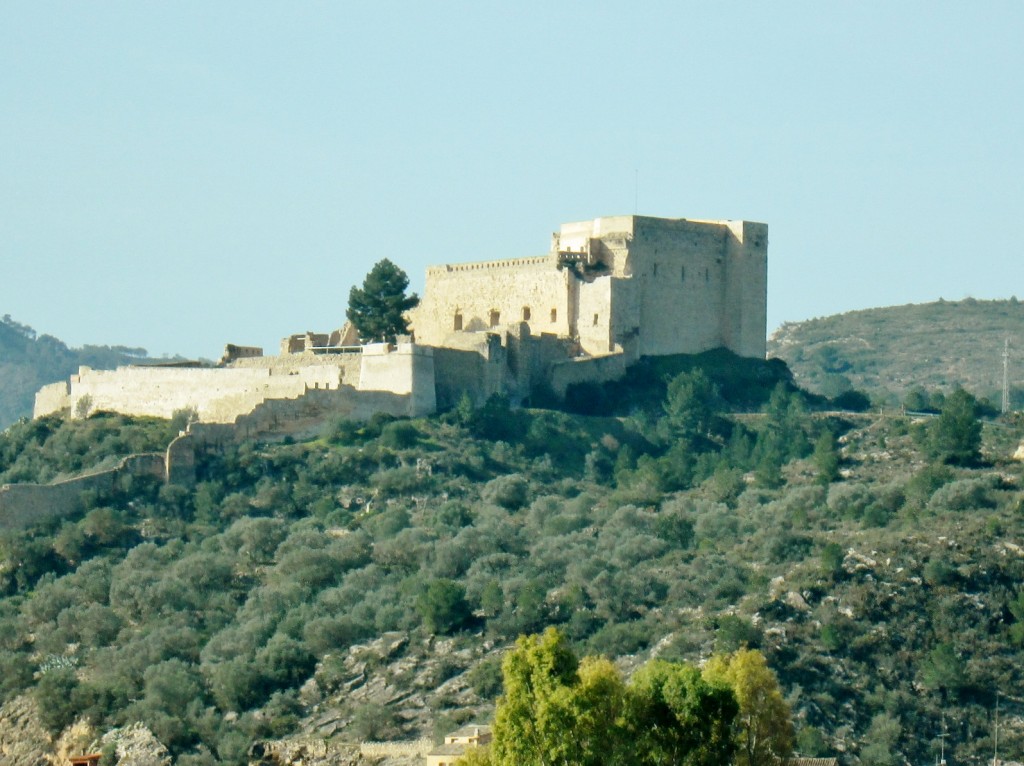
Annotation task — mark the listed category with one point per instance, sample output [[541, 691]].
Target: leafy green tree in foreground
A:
[[764, 734], [377, 309], [557, 710], [677, 717]]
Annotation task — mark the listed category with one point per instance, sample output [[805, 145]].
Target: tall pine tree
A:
[[377, 310]]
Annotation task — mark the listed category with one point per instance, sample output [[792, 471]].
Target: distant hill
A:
[[886, 352], [29, 361]]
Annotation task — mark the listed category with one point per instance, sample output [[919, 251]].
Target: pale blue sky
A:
[[181, 175]]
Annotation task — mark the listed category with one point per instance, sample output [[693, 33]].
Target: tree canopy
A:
[[377, 309], [764, 732], [955, 436], [558, 710]]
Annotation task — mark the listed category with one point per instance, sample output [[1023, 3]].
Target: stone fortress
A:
[[609, 291]]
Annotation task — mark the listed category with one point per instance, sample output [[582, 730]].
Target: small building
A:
[[457, 743]]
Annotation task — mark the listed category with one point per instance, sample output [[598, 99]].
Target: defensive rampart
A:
[[25, 504], [400, 379]]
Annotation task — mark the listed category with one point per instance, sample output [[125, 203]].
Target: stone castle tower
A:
[[631, 285]]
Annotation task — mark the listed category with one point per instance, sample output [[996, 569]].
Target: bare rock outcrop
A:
[[135, 745], [23, 740]]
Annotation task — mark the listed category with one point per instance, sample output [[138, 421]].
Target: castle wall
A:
[[745, 309], [409, 369], [592, 370], [513, 289], [217, 395], [656, 286], [222, 394], [475, 363], [24, 504], [608, 238], [594, 316], [680, 275], [51, 398]]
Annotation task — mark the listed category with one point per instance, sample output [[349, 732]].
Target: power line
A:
[[1006, 376]]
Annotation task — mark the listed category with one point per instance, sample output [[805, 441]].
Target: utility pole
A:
[[942, 743], [995, 740], [1006, 376]]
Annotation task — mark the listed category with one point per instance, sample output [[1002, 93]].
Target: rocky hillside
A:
[[309, 597], [886, 352]]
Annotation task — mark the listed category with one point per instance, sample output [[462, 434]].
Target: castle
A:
[[609, 291]]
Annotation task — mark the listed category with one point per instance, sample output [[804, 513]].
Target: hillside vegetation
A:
[[29, 361], [886, 352], [364, 585]]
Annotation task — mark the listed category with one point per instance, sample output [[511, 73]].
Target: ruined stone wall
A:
[[51, 398], [527, 289], [303, 417], [25, 504], [586, 370], [416, 747]]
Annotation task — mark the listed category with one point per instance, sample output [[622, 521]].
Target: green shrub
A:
[[963, 495], [401, 434], [485, 678], [849, 500], [510, 492], [733, 632], [621, 638], [373, 722], [443, 606]]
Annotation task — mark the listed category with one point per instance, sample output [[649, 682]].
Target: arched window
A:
[[495, 317], [458, 320]]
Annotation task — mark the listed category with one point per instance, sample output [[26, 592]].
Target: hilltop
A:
[[29, 361], [886, 352], [363, 584]]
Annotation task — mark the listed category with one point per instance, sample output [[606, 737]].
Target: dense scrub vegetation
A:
[[889, 351], [879, 575]]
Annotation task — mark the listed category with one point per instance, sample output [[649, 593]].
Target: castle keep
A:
[[609, 291], [634, 285]]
